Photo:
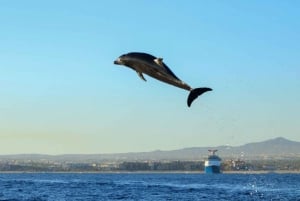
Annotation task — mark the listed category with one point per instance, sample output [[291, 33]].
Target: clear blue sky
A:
[[61, 93]]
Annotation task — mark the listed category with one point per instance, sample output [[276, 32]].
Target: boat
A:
[[213, 163]]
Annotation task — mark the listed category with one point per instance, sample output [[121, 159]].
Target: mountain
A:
[[274, 147], [277, 148]]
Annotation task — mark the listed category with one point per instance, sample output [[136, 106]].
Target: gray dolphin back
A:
[[150, 58]]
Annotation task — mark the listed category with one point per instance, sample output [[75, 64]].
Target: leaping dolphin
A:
[[156, 68]]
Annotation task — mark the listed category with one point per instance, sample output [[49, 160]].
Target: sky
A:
[[60, 92]]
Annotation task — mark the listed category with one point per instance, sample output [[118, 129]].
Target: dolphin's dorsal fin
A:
[[159, 61], [141, 76]]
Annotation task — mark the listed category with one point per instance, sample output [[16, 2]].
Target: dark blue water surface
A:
[[154, 187]]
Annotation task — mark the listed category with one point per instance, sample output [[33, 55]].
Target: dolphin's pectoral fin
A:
[[141, 76], [195, 93], [159, 61]]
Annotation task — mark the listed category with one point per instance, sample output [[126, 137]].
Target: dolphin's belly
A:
[[172, 81], [161, 74]]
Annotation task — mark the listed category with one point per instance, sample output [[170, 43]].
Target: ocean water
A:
[[152, 187]]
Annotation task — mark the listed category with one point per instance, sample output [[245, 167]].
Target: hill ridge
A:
[[273, 148]]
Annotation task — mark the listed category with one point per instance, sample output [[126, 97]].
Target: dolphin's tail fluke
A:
[[195, 93]]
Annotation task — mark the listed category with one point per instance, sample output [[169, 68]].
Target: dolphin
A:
[[156, 68]]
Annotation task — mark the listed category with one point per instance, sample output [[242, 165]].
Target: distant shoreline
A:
[[149, 172]]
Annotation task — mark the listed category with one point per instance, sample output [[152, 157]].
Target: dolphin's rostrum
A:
[[156, 68]]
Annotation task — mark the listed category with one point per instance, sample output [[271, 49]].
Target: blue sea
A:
[[150, 186]]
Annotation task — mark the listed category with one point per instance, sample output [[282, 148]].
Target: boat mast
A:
[[212, 151]]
